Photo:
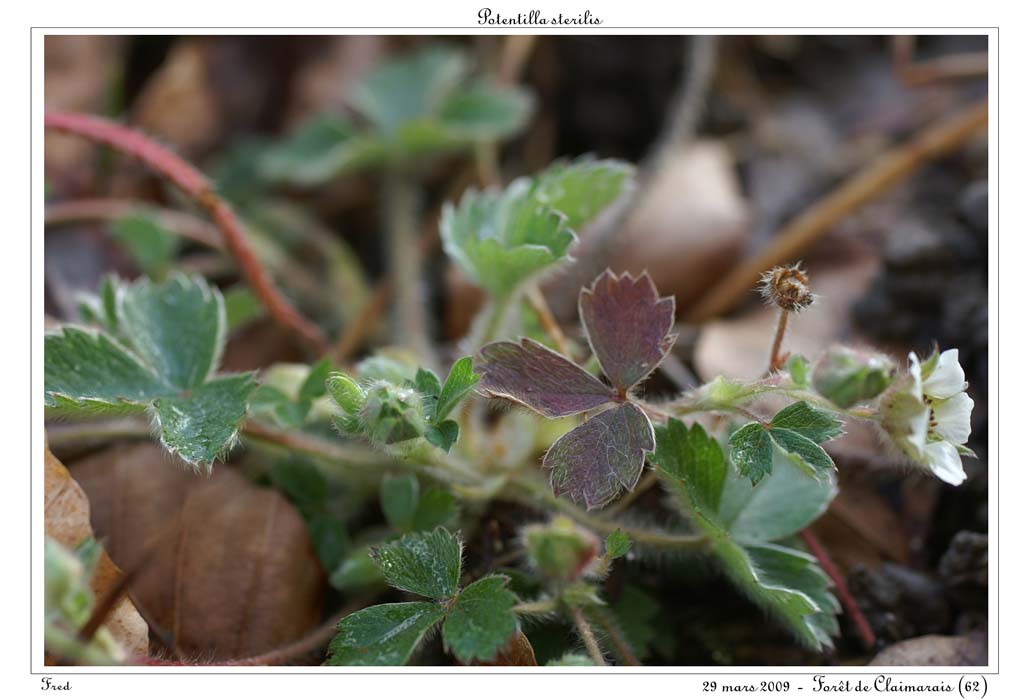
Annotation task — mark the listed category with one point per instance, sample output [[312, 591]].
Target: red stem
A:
[[195, 184], [864, 629]]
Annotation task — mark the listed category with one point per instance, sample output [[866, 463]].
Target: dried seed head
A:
[[787, 287]]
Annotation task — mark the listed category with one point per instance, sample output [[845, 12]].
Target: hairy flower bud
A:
[[392, 413], [560, 550], [846, 376], [787, 287]]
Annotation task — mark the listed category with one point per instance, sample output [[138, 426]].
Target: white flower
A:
[[928, 414]]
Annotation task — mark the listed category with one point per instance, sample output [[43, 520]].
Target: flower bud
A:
[[560, 550], [347, 394], [846, 376], [392, 414]]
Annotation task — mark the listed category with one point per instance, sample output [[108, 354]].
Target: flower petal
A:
[[947, 378], [952, 418], [915, 370], [918, 425], [945, 462]]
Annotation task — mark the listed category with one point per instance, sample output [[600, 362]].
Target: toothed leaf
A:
[[461, 379], [539, 378], [426, 563], [383, 635], [481, 621], [750, 449], [199, 424], [583, 188], [597, 460], [628, 326], [815, 424]]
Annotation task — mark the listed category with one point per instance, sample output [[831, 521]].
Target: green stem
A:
[[533, 493], [536, 607]]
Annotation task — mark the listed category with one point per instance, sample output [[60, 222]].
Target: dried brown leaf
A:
[[66, 516], [227, 568]]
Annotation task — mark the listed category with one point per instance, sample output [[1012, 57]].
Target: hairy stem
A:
[[195, 184], [775, 361], [582, 626], [615, 636]]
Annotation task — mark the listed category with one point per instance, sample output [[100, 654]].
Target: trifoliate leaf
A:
[[816, 424], [750, 449], [802, 451], [199, 424], [481, 621], [597, 460], [426, 563], [628, 326], [443, 435], [399, 499], [617, 545], [176, 327], [502, 239], [583, 188], [689, 456], [436, 507], [461, 379], [539, 378], [383, 635], [171, 335], [151, 245]]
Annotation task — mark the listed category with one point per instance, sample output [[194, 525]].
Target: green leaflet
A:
[[383, 635], [501, 239], [743, 519], [426, 563], [461, 380], [795, 431], [172, 334], [617, 545], [150, 245], [399, 500], [481, 622]]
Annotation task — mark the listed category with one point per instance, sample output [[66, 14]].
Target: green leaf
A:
[[426, 563], [443, 435], [426, 382], [399, 500], [383, 635], [461, 380], [503, 239], [803, 452], [357, 571], [176, 327], [151, 245], [783, 503], [485, 113], [314, 384], [200, 424], [481, 621], [409, 87], [436, 507], [241, 307], [330, 539], [87, 369], [583, 188], [617, 545], [797, 366], [690, 456], [319, 151], [750, 449], [816, 424]]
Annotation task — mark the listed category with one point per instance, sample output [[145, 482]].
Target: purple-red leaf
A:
[[628, 326], [594, 462], [538, 377]]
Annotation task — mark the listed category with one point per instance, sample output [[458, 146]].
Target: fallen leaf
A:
[[935, 650], [519, 652], [227, 568], [66, 516]]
